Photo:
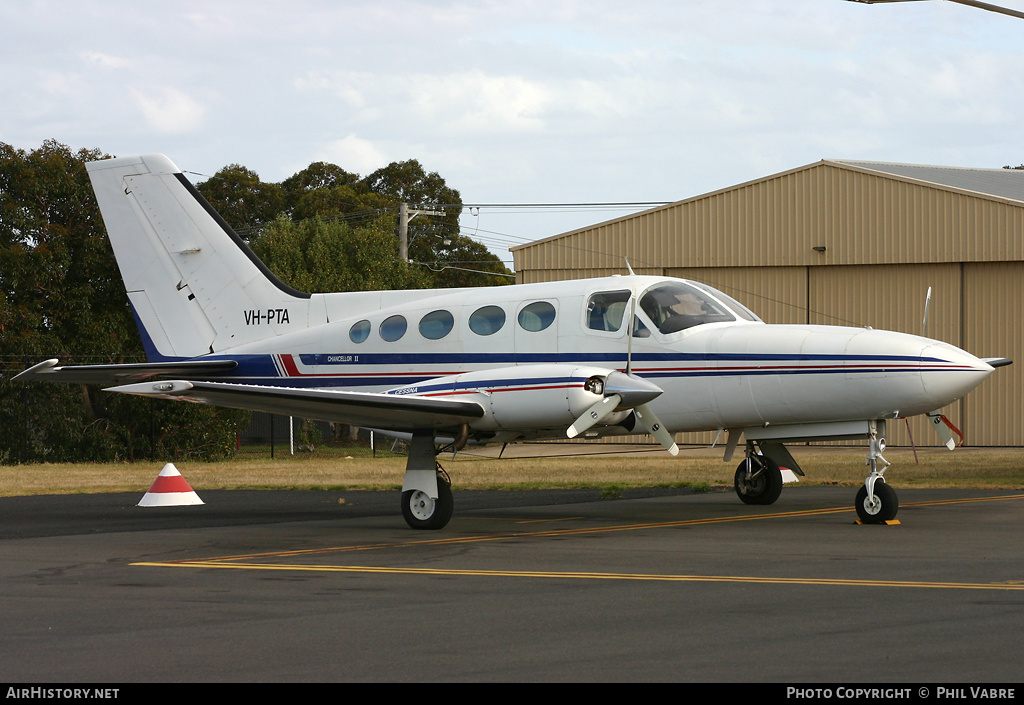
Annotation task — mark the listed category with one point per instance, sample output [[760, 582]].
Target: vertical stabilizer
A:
[[194, 285]]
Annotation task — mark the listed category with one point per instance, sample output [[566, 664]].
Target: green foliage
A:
[[60, 282], [318, 255], [62, 296], [241, 198], [326, 193]]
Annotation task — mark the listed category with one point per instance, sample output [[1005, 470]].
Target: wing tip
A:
[[35, 370]]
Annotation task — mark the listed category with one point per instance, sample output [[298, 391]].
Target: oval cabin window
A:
[[537, 316]]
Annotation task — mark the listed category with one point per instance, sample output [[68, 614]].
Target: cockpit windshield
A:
[[675, 306], [737, 308]]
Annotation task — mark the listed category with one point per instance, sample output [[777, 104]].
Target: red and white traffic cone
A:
[[170, 490]]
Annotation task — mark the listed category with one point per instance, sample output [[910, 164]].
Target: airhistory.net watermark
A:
[[40, 693]]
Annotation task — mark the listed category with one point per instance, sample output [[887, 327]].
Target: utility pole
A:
[[404, 216]]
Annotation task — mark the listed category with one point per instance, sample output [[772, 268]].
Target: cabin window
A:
[[359, 331], [487, 320], [606, 310], [436, 324], [393, 328], [675, 306], [537, 316]]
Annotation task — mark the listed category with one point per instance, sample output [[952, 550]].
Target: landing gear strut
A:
[[758, 479], [876, 502]]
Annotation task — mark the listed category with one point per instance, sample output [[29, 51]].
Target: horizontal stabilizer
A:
[[385, 411], [48, 371]]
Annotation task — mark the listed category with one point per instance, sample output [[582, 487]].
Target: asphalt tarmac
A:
[[655, 585]]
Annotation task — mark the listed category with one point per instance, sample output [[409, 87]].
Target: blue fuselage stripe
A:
[[400, 369]]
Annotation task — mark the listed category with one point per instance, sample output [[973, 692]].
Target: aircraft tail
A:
[[194, 285]]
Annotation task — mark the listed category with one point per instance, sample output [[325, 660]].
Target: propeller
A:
[[622, 392], [627, 391]]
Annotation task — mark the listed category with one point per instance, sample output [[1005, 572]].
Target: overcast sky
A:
[[520, 102]]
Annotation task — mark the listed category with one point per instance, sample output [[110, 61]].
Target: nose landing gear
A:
[[876, 502]]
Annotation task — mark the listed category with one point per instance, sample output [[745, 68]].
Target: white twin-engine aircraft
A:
[[592, 357]]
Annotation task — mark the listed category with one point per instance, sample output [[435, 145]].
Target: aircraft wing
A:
[[393, 412], [48, 371]]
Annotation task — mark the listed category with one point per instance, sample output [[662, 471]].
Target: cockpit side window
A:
[[675, 306], [605, 310]]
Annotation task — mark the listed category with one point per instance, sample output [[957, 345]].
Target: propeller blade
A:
[[654, 426], [593, 415]]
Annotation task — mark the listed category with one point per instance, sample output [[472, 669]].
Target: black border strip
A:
[[190, 187]]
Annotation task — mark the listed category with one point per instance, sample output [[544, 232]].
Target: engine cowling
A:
[[534, 397]]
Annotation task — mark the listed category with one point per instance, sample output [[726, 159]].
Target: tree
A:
[[325, 192], [328, 191], [62, 296], [318, 255], [435, 243], [409, 182], [239, 196]]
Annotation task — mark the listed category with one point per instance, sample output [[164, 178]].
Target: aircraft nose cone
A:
[[949, 373], [633, 390]]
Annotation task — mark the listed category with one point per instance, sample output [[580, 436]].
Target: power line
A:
[[615, 204]]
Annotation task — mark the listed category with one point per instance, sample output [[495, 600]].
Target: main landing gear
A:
[[427, 490], [421, 511], [758, 479]]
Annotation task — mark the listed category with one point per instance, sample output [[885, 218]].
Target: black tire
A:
[[766, 484], [884, 508], [422, 512]]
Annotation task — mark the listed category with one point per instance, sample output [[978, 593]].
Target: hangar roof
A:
[[1005, 183]]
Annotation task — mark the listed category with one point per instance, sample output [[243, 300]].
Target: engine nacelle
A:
[[528, 397]]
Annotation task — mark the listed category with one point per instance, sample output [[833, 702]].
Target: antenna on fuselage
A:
[[631, 272]]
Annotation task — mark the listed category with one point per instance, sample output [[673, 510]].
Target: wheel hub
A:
[[872, 505], [421, 505]]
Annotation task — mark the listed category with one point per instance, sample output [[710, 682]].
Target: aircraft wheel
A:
[[882, 509], [766, 484], [423, 512]]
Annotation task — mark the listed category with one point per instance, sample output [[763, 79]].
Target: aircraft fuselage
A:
[[715, 374]]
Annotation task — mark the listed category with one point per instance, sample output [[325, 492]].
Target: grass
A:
[[609, 470]]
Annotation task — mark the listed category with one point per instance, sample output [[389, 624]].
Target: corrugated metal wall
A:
[[886, 239], [993, 326]]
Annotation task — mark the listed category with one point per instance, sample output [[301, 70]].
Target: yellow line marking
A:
[[528, 534], [573, 575], [587, 530]]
